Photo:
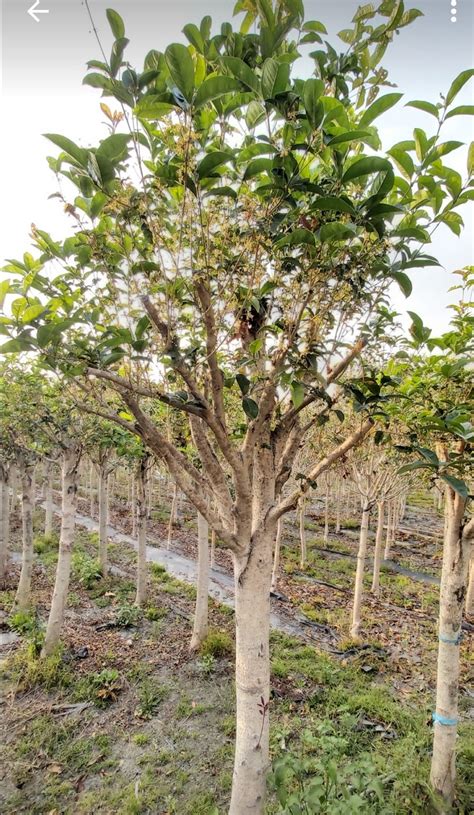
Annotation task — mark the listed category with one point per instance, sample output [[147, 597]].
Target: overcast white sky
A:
[[43, 65]]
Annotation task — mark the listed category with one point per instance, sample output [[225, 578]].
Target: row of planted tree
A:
[[223, 299]]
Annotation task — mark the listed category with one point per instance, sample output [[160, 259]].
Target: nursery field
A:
[[123, 719]]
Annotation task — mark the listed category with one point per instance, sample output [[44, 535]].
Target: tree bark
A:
[[92, 489], [103, 517], [48, 518], [470, 590], [22, 597], [456, 558], [252, 616], [70, 477], [141, 514], [172, 515], [326, 512], [4, 520], [361, 556], [14, 485], [276, 556], [303, 547], [378, 548], [200, 626], [388, 536], [338, 508]]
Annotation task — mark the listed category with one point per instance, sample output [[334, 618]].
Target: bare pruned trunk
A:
[[70, 476], [456, 559], [14, 487], [103, 518], [359, 578], [200, 626], [338, 508], [172, 520], [48, 489], [252, 617], [388, 536], [378, 548], [303, 547], [141, 514], [22, 597], [326, 512], [276, 556], [4, 520], [470, 589], [92, 489]]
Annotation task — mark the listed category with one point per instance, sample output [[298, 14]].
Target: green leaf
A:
[[32, 312], [151, 107], [240, 70], [116, 23], [115, 147], [456, 484], [403, 161], [313, 90], [414, 465], [46, 333], [350, 135], [427, 107], [404, 282], [458, 83], [470, 158], [15, 346], [181, 68], [250, 407], [257, 166], [365, 166], [335, 231], [243, 383], [211, 161], [77, 153], [379, 106], [223, 192], [214, 87], [296, 238], [275, 77], [331, 202], [297, 391], [97, 204], [194, 36], [462, 110]]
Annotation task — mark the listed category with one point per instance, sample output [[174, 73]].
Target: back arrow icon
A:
[[34, 11]]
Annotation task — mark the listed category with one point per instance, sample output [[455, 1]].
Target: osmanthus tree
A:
[[239, 238], [437, 415], [25, 441]]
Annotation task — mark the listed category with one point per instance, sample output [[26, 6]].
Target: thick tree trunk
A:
[[141, 514], [338, 508], [456, 558], [378, 548], [470, 590], [359, 578], [22, 598], [14, 487], [388, 536], [4, 521], [92, 489], [252, 616], [202, 588], [172, 515], [48, 517], [70, 475], [326, 513], [276, 556], [303, 547], [103, 517]]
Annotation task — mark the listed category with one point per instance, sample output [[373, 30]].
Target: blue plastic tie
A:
[[449, 640], [443, 720]]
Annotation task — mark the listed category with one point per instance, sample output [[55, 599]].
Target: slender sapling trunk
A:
[[200, 626]]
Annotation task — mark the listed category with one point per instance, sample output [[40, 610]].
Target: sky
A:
[[43, 64]]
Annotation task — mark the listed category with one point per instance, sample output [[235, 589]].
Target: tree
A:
[[439, 393], [237, 241]]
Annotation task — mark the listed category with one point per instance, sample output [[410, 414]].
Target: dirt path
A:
[[221, 584]]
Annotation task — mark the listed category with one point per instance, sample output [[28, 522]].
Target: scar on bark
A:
[[460, 594]]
